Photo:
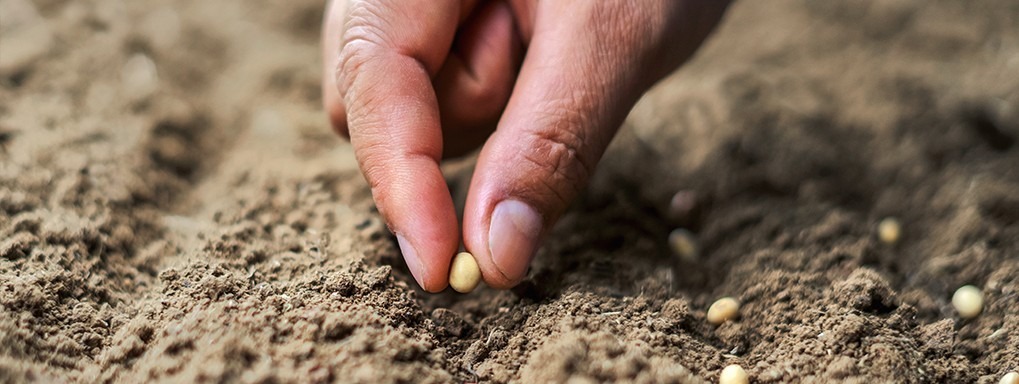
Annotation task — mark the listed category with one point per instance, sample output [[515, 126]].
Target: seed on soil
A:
[[725, 309], [684, 245], [733, 374], [1010, 378], [464, 274], [889, 230], [682, 205], [968, 301]]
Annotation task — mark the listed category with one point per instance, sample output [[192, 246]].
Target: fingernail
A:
[[410, 255], [513, 237]]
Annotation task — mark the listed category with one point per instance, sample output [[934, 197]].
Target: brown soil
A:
[[173, 207]]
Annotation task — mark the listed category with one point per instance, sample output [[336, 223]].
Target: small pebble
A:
[[725, 309], [733, 374], [684, 245], [968, 301], [1010, 378], [889, 231], [464, 274]]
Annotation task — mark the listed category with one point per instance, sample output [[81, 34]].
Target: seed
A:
[[684, 245], [733, 374], [723, 310], [1010, 378], [464, 274], [968, 301], [889, 230], [682, 205]]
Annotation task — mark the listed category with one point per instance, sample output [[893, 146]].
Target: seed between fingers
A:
[[464, 273]]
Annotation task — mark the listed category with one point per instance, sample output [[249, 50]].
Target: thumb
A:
[[587, 64]]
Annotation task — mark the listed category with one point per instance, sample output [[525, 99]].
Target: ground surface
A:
[[173, 207]]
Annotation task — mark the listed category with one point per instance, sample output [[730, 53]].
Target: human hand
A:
[[419, 80]]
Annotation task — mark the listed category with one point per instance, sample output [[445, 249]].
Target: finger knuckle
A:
[[362, 38], [558, 155]]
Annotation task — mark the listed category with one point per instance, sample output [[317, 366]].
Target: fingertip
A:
[[428, 275], [415, 202], [504, 232], [514, 235]]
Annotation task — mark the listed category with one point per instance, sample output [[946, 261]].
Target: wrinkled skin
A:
[[540, 86]]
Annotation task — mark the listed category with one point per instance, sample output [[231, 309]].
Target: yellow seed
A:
[[725, 309], [464, 274], [1010, 378], [733, 374], [889, 231], [684, 245], [968, 301]]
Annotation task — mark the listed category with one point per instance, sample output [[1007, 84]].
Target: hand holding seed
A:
[[416, 81]]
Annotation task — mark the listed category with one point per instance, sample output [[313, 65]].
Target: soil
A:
[[175, 208]]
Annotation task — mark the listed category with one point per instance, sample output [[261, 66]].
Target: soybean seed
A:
[[682, 205], [889, 231], [733, 374], [968, 301], [684, 245], [1010, 378], [725, 309], [464, 274]]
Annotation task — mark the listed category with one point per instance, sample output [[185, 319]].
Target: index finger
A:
[[389, 51]]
